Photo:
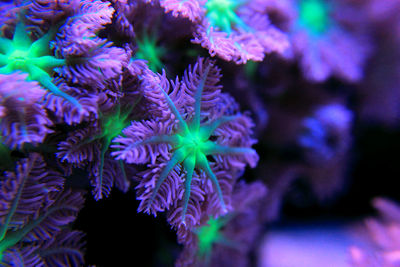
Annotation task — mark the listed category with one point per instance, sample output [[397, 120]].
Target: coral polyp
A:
[[314, 15], [192, 140], [34, 58], [112, 126], [149, 50], [191, 145], [208, 235], [221, 14]]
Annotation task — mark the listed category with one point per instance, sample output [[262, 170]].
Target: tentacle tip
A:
[[150, 212], [224, 210], [148, 208], [252, 151], [98, 196], [183, 223]]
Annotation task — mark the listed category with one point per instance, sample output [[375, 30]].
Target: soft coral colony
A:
[[70, 95], [86, 84]]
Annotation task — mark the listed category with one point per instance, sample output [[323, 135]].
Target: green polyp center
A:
[[19, 55], [150, 51], [221, 14], [113, 126], [18, 59], [208, 235], [220, 5], [33, 58], [314, 15], [192, 142]]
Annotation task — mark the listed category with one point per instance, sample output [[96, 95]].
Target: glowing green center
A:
[[113, 126], [34, 58], [18, 55], [208, 235], [19, 59], [220, 6], [191, 140], [221, 14], [150, 51], [193, 143], [314, 15]]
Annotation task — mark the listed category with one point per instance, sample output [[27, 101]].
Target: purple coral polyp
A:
[[326, 46], [187, 133]]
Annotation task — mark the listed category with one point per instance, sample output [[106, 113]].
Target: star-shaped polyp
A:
[[21, 54], [191, 144]]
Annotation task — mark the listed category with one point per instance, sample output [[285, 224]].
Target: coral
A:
[[190, 137], [326, 140], [94, 58], [67, 113], [23, 119], [236, 31], [327, 133], [150, 51], [226, 240], [34, 209], [151, 34], [314, 15], [10, 11], [209, 235], [383, 233], [33, 58], [123, 95], [67, 247], [321, 41], [42, 12], [221, 14], [112, 127], [90, 146]]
